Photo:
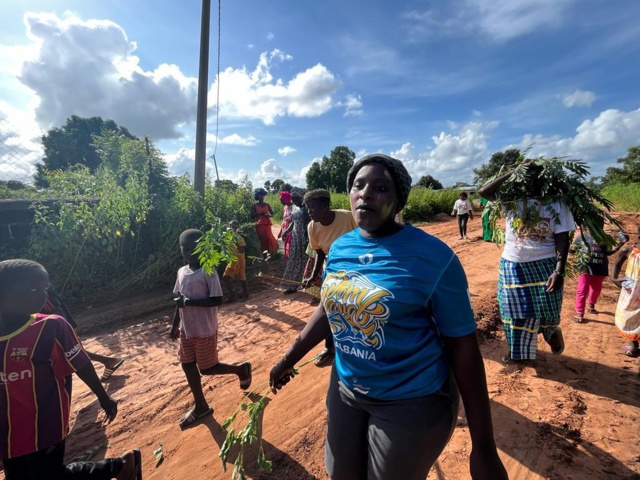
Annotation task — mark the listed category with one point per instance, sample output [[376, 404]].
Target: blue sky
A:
[[440, 85]]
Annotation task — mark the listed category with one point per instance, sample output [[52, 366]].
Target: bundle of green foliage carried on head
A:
[[559, 180]]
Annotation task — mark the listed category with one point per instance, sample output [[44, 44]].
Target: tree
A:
[[229, 185], [276, 185], [267, 186], [427, 181], [629, 172], [287, 187], [331, 172], [72, 144], [496, 162]]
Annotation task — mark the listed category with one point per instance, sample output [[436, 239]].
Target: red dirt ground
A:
[[571, 417]]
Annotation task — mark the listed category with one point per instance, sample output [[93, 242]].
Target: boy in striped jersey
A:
[[38, 355]]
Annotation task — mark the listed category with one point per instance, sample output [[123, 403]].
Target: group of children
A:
[[39, 352]]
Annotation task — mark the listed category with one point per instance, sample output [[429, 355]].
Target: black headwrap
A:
[[401, 178]]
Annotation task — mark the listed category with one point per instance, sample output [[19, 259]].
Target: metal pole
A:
[[203, 86]]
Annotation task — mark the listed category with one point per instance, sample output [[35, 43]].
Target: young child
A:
[[593, 272], [237, 268], [195, 324], [38, 355], [462, 208]]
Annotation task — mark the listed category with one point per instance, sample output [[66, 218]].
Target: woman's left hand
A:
[[486, 465], [554, 282]]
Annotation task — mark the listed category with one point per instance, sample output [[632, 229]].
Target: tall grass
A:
[[625, 198]]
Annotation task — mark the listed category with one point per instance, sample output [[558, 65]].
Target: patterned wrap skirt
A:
[[526, 308]]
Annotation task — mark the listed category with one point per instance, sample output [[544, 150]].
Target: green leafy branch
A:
[[560, 180], [251, 432]]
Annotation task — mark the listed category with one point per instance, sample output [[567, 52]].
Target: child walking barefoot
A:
[[195, 324], [38, 355]]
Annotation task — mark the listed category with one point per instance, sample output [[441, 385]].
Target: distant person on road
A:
[[627, 319], [463, 210], [594, 269], [294, 268], [261, 212], [397, 303], [487, 233], [39, 354], [195, 325], [287, 222]]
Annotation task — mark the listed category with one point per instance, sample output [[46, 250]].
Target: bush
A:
[[625, 198], [424, 203]]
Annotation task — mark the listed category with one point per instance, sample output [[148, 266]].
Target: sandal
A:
[[507, 360], [246, 383], [192, 417], [559, 347], [630, 351], [109, 371], [591, 308], [578, 318], [137, 472]]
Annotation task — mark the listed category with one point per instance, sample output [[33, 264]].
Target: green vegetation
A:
[[625, 197], [121, 227], [331, 172], [559, 180]]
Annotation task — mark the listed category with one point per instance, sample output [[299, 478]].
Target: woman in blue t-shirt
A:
[[397, 303]]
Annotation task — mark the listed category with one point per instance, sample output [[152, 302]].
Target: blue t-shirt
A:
[[388, 300]]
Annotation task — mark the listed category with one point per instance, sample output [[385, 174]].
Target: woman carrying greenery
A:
[[532, 266]]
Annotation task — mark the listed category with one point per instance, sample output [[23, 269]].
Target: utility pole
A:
[[203, 87]]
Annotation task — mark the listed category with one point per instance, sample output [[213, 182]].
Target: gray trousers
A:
[[370, 439]]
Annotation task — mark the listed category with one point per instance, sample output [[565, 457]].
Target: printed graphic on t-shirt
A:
[[538, 232], [357, 311]]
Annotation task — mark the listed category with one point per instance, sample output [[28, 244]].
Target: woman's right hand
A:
[[279, 376]]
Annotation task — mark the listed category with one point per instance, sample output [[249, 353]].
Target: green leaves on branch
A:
[[560, 180]]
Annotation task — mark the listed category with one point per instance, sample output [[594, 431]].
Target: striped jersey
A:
[[36, 362]]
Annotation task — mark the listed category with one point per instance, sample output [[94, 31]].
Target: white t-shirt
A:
[[539, 242], [462, 207]]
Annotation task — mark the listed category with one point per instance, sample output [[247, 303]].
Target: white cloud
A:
[[598, 142], [271, 170], [286, 150], [353, 105], [270, 36], [256, 95], [88, 68], [578, 98], [236, 139], [497, 20], [405, 152]]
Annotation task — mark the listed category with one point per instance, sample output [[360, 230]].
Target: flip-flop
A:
[[109, 371], [630, 351], [190, 417], [137, 473], [578, 318], [559, 349], [246, 383]]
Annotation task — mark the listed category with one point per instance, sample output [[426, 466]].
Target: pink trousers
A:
[[589, 288]]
